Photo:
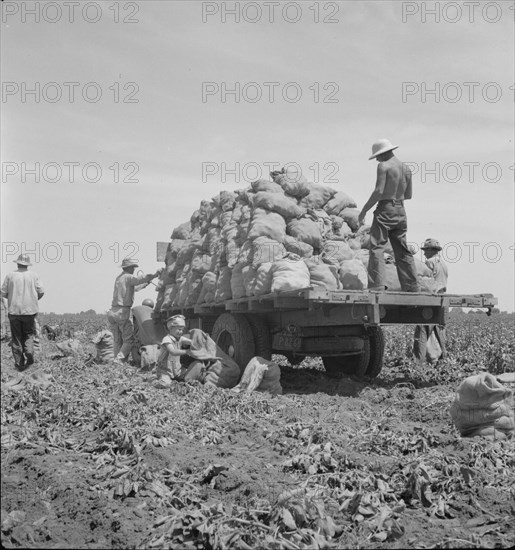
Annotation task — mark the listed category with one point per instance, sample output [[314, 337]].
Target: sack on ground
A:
[[483, 407], [104, 345], [70, 348], [261, 375], [149, 356], [220, 369]]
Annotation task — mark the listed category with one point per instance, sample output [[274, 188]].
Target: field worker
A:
[[119, 316], [137, 339], [169, 361], [393, 187], [23, 290], [439, 271]]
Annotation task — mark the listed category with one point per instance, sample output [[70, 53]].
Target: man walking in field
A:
[[393, 187], [119, 316], [23, 290], [432, 336]]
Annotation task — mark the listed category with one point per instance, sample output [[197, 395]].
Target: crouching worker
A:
[[169, 362]]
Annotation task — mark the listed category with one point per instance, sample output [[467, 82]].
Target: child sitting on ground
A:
[[169, 362]]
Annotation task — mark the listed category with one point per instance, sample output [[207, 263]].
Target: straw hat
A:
[[129, 262], [431, 244], [381, 146], [23, 259]]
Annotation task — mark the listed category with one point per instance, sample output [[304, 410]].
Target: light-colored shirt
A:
[[21, 288], [124, 288], [439, 272], [172, 362]]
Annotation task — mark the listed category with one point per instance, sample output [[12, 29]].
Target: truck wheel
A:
[[233, 333], [375, 364], [348, 365], [262, 337]]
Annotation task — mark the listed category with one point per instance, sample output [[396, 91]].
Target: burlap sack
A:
[[319, 196], [353, 275], [279, 203], [291, 273], [265, 185], [483, 407], [261, 375], [237, 285], [323, 275], [264, 250], [339, 202], [104, 345], [149, 355], [267, 224], [223, 285], [307, 231]]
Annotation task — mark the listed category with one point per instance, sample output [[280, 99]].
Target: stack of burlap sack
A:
[[277, 235]]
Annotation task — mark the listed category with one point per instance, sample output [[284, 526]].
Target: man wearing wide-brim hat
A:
[[119, 316], [23, 290], [424, 333], [393, 187]]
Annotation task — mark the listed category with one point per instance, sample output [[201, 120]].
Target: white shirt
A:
[[21, 288]]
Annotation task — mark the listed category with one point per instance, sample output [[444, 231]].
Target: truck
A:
[[343, 327]]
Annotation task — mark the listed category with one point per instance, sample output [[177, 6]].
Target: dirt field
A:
[[101, 459]]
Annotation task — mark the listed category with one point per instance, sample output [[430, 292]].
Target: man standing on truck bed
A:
[[119, 316], [393, 187]]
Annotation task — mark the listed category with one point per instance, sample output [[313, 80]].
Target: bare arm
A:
[[174, 351], [376, 193], [408, 191]]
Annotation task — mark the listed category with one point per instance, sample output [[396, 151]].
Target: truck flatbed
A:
[[377, 307], [341, 326]]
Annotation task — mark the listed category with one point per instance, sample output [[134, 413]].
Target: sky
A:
[[118, 118]]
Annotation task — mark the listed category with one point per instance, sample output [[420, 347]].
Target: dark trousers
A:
[[390, 223], [422, 334], [22, 339]]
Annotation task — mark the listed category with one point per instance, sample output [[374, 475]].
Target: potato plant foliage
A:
[[95, 456]]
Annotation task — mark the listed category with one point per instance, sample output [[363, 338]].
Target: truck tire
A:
[[262, 337], [233, 333], [348, 365], [375, 363]]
